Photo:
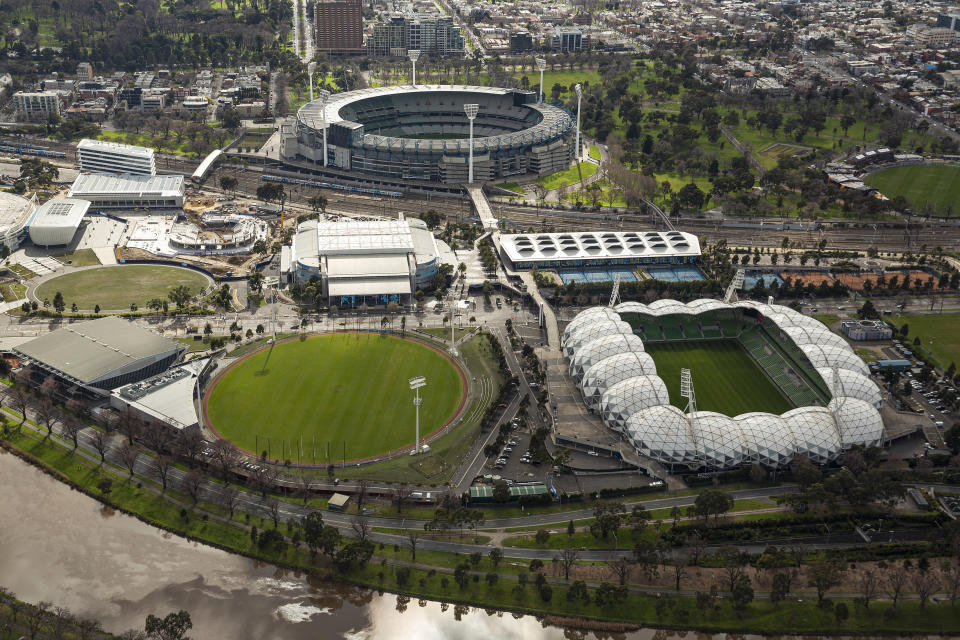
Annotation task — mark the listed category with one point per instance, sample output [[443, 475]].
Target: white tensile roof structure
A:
[[589, 332], [601, 348], [592, 314], [609, 371], [629, 396], [618, 379]]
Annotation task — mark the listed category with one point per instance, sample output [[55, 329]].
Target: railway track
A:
[[520, 218]]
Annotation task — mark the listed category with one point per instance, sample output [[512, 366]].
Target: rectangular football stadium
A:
[[725, 378]]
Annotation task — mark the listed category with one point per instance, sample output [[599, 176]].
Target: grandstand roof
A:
[[92, 350], [14, 211], [579, 245]]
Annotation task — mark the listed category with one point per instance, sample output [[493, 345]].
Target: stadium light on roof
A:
[[471, 110], [310, 69], [414, 55], [541, 65], [416, 384]]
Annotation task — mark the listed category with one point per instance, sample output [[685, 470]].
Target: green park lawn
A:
[[79, 258], [937, 332], [346, 391], [565, 78], [571, 176], [116, 287], [726, 379], [938, 186], [168, 145]]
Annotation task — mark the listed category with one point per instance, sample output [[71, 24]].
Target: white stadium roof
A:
[[364, 236], [622, 388], [14, 212], [600, 349], [581, 245]]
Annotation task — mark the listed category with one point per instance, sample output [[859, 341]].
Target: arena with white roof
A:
[[370, 262], [619, 381], [598, 248]]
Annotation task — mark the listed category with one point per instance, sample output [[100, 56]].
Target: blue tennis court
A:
[[676, 274], [597, 274], [750, 280]]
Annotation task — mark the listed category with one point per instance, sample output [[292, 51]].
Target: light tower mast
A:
[[541, 65], [686, 390], [415, 385], [615, 292], [735, 284]]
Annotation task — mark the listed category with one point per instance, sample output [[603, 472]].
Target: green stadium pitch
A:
[[725, 377], [334, 398], [936, 185]]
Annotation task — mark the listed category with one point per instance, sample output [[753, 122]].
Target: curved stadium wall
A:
[[837, 404], [422, 133]]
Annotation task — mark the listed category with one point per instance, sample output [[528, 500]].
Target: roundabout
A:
[[334, 398]]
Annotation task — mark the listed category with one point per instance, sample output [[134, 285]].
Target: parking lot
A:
[[514, 463]]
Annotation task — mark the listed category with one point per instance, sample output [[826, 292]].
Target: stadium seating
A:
[[651, 329], [632, 320], [777, 358], [691, 329], [671, 328], [730, 325]]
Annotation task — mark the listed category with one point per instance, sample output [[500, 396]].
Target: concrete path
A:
[[106, 255]]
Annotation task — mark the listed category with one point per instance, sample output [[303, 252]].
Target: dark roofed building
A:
[[102, 354]]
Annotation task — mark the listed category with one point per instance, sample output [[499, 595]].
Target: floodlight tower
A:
[[323, 96], [471, 111], [615, 292], [735, 284], [686, 390], [310, 69], [415, 384], [579, 91], [541, 65], [414, 55]]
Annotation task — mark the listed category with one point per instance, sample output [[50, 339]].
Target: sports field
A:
[[937, 332], [114, 288], [725, 378], [921, 184], [338, 390]]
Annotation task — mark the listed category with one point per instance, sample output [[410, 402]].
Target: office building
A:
[[436, 37], [339, 26], [949, 21], [94, 156], [567, 39], [521, 42], [84, 72], [36, 105]]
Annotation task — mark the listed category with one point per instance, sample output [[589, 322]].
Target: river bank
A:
[[506, 591]]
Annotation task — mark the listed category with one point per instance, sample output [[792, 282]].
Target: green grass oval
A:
[[115, 288], [937, 185], [331, 391]]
